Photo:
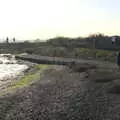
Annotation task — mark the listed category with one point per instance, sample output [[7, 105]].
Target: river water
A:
[[9, 67]]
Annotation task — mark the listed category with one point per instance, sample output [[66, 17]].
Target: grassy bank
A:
[[98, 54], [26, 80], [80, 53]]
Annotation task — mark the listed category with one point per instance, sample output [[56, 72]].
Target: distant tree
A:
[[37, 40], [26, 41]]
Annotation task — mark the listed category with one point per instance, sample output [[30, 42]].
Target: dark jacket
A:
[[118, 59]]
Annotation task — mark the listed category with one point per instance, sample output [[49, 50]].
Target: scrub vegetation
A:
[[97, 46]]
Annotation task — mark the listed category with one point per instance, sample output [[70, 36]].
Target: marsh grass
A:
[[95, 54], [41, 66]]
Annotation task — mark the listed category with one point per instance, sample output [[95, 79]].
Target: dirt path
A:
[[64, 61], [58, 95]]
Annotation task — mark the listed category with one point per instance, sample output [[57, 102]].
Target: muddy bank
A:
[[60, 95]]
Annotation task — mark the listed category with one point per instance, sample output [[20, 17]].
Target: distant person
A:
[[14, 40], [118, 59], [7, 40]]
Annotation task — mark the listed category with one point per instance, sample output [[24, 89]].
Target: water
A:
[[9, 67]]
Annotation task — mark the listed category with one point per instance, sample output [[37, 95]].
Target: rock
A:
[[77, 67]]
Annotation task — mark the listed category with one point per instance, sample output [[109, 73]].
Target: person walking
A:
[[118, 59], [13, 40]]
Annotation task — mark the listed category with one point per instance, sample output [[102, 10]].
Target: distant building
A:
[[116, 40]]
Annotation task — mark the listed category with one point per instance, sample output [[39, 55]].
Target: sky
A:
[[43, 19]]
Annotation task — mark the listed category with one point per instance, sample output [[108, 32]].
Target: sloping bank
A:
[[31, 75]]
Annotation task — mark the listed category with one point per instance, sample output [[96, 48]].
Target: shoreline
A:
[[54, 96], [23, 79]]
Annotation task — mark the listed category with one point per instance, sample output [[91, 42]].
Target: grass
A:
[[86, 53], [41, 66], [26, 80], [103, 55]]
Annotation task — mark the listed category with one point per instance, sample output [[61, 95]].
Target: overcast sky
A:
[[32, 19]]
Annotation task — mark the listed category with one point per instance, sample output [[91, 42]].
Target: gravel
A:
[[58, 95]]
